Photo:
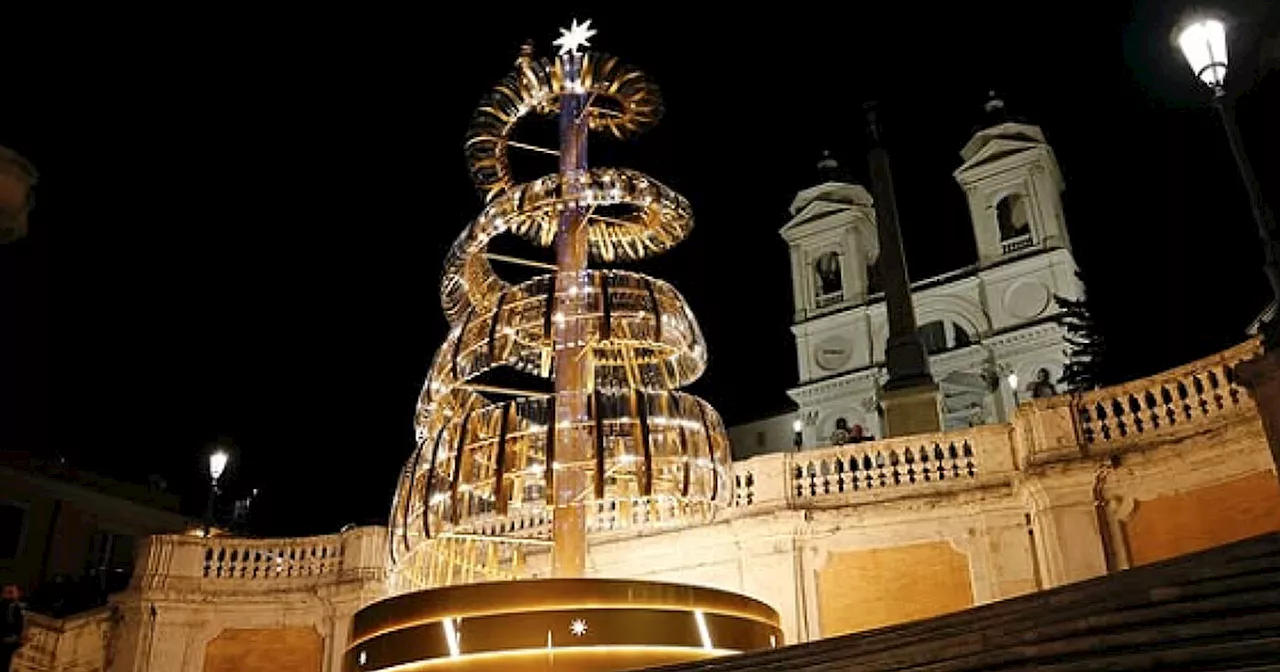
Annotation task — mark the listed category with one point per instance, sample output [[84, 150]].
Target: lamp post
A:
[[797, 428], [1203, 42], [1013, 386], [217, 464]]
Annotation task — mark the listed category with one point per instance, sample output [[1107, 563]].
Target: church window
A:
[[828, 282], [1014, 222], [941, 336], [934, 336]]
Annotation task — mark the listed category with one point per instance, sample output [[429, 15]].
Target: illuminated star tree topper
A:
[[576, 36]]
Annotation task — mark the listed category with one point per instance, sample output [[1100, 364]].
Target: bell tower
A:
[[1013, 186], [832, 240]]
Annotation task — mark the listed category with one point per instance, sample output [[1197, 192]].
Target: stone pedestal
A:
[[912, 410], [1261, 375]]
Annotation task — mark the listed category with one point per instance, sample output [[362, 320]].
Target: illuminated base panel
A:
[[583, 625]]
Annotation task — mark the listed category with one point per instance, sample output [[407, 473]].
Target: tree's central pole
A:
[[572, 363]]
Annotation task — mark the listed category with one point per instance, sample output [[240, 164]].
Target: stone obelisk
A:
[[910, 398]]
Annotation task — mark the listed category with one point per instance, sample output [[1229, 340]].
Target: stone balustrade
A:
[[272, 559], [1167, 404], [1180, 402], [223, 563], [874, 471], [905, 466]]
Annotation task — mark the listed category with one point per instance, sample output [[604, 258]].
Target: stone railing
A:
[[1167, 406], [855, 473], [1016, 243], [1185, 399], [907, 466], [272, 559], [76, 643], [239, 563]]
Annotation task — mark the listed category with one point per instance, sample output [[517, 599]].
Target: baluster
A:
[[208, 562], [939, 460], [813, 480], [880, 475], [1183, 397], [825, 467], [1201, 401], [1100, 412], [969, 467], [925, 469], [909, 456], [893, 464], [1135, 412], [1166, 398], [1215, 389], [853, 473], [839, 473], [1152, 407], [222, 559], [798, 480], [867, 467], [954, 456], [1233, 388], [751, 488], [1117, 413]]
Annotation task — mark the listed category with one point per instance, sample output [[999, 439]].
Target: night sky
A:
[[241, 219]]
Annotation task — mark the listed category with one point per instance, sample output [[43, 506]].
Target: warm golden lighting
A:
[[634, 451], [520, 624], [504, 478]]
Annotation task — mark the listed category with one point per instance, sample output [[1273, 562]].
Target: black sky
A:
[[241, 219]]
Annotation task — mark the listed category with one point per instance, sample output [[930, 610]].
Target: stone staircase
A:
[[1214, 610]]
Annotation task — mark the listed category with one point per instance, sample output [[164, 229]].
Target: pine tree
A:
[[1085, 345]]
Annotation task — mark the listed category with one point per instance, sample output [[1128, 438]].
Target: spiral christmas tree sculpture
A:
[[615, 445], [500, 474]]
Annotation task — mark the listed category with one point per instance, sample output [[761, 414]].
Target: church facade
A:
[[984, 326]]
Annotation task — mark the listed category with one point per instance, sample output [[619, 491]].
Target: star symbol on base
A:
[[574, 37], [578, 627]]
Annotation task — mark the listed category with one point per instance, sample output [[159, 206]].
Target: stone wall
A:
[[837, 539], [209, 604]]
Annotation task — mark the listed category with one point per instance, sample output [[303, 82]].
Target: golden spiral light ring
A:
[[536, 86], [646, 218]]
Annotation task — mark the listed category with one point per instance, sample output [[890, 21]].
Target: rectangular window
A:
[[13, 527]]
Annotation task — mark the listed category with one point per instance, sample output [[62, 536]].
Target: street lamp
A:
[[1013, 385], [1203, 42], [797, 427], [217, 464]]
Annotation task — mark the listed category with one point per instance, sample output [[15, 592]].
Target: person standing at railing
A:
[[11, 624]]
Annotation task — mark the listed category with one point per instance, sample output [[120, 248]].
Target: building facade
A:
[[979, 324], [69, 536]]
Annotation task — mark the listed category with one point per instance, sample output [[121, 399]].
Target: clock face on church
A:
[[832, 353]]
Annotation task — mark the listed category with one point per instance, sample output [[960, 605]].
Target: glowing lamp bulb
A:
[[217, 464], [1204, 45]]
